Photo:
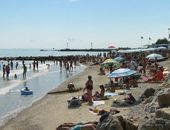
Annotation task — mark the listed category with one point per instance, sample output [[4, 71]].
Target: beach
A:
[[52, 110]]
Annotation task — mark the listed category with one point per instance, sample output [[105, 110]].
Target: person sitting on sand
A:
[[133, 82], [102, 71], [130, 99], [99, 95], [158, 76], [71, 87], [89, 88], [112, 86]]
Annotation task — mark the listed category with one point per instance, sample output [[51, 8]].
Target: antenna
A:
[[91, 45], [67, 44]]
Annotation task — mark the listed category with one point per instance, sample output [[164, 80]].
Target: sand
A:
[[52, 110]]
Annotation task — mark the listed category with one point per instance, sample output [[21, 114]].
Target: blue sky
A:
[[53, 23]]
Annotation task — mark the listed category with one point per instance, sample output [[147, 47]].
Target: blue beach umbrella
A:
[[122, 72]]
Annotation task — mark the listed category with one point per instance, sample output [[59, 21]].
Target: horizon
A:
[[43, 24]]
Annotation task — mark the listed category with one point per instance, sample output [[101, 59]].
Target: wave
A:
[[6, 89]]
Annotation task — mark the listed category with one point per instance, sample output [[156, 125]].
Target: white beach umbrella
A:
[[161, 48], [154, 56]]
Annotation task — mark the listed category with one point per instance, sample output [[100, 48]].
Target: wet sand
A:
[[52, 110]]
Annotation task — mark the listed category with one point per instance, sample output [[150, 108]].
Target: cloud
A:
[[73, 1]]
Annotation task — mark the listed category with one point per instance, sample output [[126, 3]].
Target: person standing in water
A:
[[4, 70], [16, 65], [7, 69], [24, 71]]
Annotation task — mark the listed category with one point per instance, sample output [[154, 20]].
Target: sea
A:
[[47, 77]]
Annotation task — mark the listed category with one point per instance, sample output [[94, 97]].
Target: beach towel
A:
[[96, 111], [97, 103], [121, 91], [144, 78], [109, 94]]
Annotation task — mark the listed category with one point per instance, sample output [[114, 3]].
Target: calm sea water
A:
[[40, 81], [37, 52]]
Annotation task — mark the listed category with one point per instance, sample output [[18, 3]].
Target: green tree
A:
[[162, 41]]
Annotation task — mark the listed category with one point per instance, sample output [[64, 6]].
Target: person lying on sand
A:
[[78, 126], [128, 100]]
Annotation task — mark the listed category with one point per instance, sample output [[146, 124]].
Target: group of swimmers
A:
[[7, 68]]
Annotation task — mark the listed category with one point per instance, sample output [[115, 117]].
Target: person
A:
[[99, 95], [33, 65], [11, 63], [133, 65], [15, 76], [71, 87], [78, 126], [102, 91], [26, 88], [89, 88], [16, 65], [158, 76], [102, 71], [7, 69], [4, 70], [112, 86], [133, 82], [130, 99], [37, 64], [24, 71]]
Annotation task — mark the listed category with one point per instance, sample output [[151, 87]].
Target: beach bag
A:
[[74, 102]]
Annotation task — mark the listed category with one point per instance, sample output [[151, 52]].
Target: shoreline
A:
[[28, 117], [13, 114]]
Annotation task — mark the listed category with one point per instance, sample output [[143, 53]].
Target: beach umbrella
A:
[[122, 72], [111, 46], [110, 62], [161, 48], [154, 56], [119, 59]]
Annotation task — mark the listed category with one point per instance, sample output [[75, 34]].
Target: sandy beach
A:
[[52, 110]]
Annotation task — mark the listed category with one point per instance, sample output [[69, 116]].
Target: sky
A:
[[54, 23]]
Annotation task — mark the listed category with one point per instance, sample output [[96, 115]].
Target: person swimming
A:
[[26, 89]]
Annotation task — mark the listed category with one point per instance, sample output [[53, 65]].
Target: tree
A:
[[162, 41]]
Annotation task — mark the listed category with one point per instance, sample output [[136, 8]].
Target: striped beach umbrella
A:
[[122, 72]]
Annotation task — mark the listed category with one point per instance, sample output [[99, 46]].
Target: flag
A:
[[141, 37], [149, 38]]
